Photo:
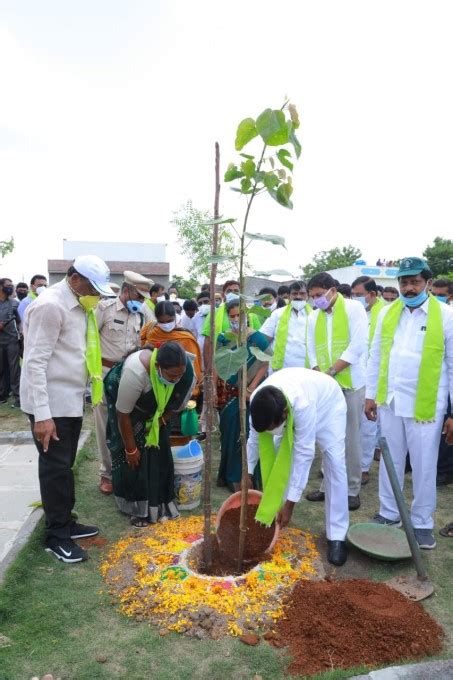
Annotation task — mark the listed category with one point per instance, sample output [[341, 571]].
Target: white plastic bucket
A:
[[188, 476]]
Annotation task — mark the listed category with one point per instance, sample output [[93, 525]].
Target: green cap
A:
[[411, 266]]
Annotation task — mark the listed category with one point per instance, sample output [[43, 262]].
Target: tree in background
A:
[[440, 257], [187, 288], [195, 238], [6, 247], [331, 259]]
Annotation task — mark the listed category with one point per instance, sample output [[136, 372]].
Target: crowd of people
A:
[[328, 364]]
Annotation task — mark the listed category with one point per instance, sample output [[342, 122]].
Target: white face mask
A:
[[229, 297], [160, 298], [298, 305], [167, 327], [40, 289], [272, 307], [277, 431], [204, 309]]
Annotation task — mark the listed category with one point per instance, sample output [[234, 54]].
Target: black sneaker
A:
[[83, 530], [16, 403], [66, 550]]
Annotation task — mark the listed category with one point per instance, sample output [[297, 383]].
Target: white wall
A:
[[384, 276], [124, 252]]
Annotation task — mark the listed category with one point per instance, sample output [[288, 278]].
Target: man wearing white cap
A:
[[62, 350], [119, 321]]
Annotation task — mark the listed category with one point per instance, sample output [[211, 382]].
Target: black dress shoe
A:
[[353, 502], [337, 552], [315, 496]]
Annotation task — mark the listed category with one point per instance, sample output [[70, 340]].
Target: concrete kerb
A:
[[30, 523], [416, 671]]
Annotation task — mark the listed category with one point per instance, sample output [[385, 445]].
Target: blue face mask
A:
[[229, 297], [362, 300], [441, 298], [134, 306], [164, 381], [415, 301]]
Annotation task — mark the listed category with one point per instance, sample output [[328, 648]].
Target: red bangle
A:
[[130, 453]]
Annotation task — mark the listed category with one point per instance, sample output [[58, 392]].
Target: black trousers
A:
[[56, 478], [445, 460], [10, 369]]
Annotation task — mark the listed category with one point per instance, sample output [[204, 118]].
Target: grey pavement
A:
[[443, 670], [19, 490]]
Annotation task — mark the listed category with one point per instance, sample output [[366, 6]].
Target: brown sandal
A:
[[447, 530], [139, 522]]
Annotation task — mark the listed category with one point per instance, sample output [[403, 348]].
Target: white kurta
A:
[[319, 411], [295, 350]]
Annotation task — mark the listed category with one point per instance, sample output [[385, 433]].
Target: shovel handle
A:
[[404, 513]]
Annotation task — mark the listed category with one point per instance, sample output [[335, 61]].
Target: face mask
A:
[[229, 297], [204, 309], [8, 290], [441, 298], [172, 296], [362, 300], [167, 327], [134, 306], [272, 307], [164, 381], [218, 303], [160, 298], [277, 431], [415, 301], [40, 289], [234, 326], [322, 302], [21, 295], [89, 302], [298, 305]]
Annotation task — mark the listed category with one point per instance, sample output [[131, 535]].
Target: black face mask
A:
[[8, 290], [21, 294]]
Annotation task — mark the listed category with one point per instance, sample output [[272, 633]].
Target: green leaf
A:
[[260, 355], [245, 133], [232, 173], [246, 186], [273, 128], [284, 192], [228, 362], [270, 180], [247, 155], [271, 238], [253, 298], [296, 144], [219, 220], [248, 167], [259, 311], [283, 156], [281, 172], [220, 259]]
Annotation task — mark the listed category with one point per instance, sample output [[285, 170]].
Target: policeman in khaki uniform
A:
[[119, 321]]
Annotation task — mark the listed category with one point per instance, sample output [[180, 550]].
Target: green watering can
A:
[[189, 420]]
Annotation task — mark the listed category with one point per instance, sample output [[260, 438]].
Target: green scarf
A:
[[93, 357], [275, 470], [281, 336], [32, 295], [340, 340], [219, 319], [374, 313], [150, 304], [162, 393], [431, 361]]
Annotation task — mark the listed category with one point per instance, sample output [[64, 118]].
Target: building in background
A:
[[384, 276], [147, 259]]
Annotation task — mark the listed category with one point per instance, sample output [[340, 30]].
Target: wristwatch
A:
[[332, 372]]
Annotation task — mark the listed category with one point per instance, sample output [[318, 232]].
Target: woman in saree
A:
[[228, 401], [142, 392], [166, 330]]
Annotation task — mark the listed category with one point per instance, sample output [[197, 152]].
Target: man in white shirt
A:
[[52, 388], [364, 290], [286, 328], [410, 372], [319, 416], [38, 284], [337, 345], [188, 315]]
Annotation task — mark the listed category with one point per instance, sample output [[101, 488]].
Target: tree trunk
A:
[[209, 387]]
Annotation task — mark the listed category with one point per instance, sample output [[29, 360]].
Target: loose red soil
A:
[[98, 541], [258, 537], [342, 624]]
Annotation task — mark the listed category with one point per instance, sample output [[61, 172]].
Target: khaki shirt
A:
[[119, 331]]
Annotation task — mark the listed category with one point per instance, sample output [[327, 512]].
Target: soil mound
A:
[[342, 624], [258, 538]]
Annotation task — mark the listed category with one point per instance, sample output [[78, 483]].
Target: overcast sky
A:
[[110, 110]]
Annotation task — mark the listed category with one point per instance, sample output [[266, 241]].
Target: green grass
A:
[[60, 620]]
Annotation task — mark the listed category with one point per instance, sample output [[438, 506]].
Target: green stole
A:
[[430, 364], [93, 357], [275, 470], [281, 336], [150, 304], [32, 295], [219, 320], [374, 313], [340, 340], [162, 394]]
